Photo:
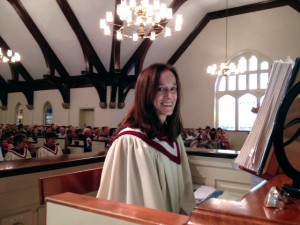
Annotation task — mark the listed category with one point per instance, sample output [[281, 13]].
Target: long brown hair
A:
[[143, 114]]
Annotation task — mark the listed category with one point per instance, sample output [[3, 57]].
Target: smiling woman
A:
[[152, 161]]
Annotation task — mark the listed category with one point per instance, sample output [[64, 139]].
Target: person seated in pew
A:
[[87, 139], [4, 146], [147, 163], [104, 135], [19, 150], [68, 141], [50, 148]]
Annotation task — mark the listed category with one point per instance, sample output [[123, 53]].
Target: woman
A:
[[147, 164], [19, 150]]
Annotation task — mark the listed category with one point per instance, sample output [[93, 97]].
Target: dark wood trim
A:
[[3, 93], [295, 4], [34, 165], [89, 53], [52, 61], [26, 88], [115, 62]]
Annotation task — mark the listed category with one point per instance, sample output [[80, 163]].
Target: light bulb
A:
[[9, 53], [109, 16], [167, 32], [135, 36], [119, 35], [152, 35], [107, 30], [102, 23], [17, 56]]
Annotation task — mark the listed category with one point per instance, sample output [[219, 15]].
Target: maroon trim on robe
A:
[[55, 151], [18, 154], [157, 146]]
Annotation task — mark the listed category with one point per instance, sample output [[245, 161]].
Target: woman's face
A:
[[166, 95]]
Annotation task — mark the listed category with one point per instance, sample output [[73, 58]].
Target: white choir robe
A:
[[135, 172], [44, 151], [13, 155]]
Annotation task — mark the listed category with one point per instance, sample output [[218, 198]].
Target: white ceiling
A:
[[53, 25]]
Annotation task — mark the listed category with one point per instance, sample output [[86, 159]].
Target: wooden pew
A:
[[98, 146], [80, 182]]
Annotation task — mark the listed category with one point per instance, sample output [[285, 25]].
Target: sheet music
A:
[[255, 148]]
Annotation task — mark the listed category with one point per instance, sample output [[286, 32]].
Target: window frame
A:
[[236, 94]]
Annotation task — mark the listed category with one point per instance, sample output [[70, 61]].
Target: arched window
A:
[[48, 117], [19, 114], [237, 94]]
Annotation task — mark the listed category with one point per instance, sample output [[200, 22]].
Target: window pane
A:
[[264, 80], [264, 65], [48, 114], [253, 63], [19, 114], [252, 78], [242, 82], [246, 117], [226, 112], [232, 83], [242, 66], [253, 81], [222, 84]]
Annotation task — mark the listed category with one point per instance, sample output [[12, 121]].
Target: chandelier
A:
[[9, 57], [141, 21], [224, 68]]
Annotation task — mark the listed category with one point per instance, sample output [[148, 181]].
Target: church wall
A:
[[273, 32]]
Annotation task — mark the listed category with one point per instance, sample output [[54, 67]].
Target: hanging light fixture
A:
[[9, 57], [224, 68], [140, 21]]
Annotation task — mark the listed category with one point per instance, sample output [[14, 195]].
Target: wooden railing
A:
[[80, 182]]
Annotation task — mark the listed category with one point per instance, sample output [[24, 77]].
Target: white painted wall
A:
[[273, 32]]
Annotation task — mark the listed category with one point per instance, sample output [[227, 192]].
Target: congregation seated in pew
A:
[[209, 138], [70, 139]]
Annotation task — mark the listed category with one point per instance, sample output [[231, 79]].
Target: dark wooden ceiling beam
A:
[[89, 53], [3, 93], [115, 60], [295, 4], [230, 12], [27, 89], [52, 61], [63, 85]]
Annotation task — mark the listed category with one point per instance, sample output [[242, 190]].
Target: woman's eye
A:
[[164, 89]]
